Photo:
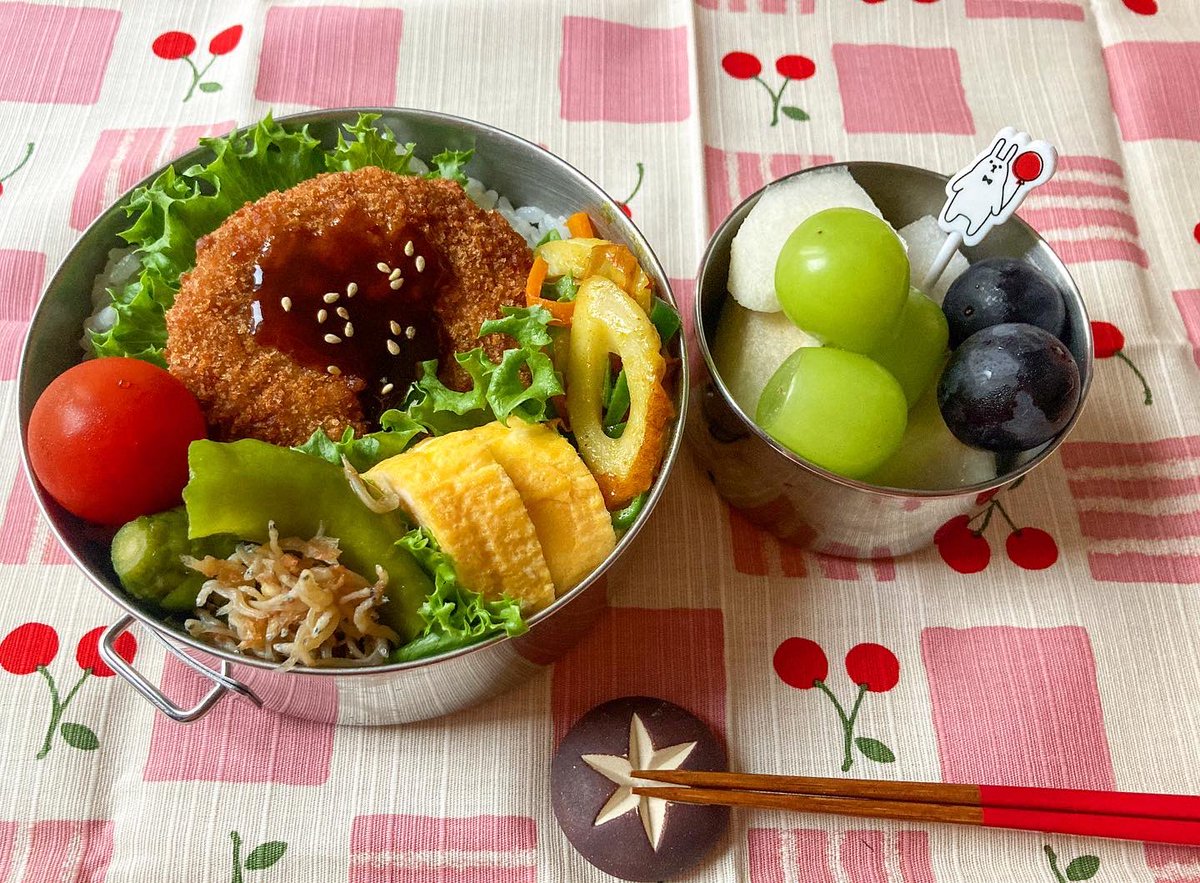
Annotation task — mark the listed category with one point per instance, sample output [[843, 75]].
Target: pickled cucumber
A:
[[146, 554]]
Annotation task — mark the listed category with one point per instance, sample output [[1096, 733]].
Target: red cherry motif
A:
[[1027, 166], [985, 497], [1031, 548], [741, 65], [1196, 232], [174, 45], [226, 41], [961, 547], [28, 647], [1108, 342], [87, 653], [1142, 7], [873, 666], [1108, 339], [800, 663], [628, 212], [798, 67]]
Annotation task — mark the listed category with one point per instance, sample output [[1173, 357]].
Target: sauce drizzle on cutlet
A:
[[333, 301]]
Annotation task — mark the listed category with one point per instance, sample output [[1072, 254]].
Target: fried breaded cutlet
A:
[[477, 264]]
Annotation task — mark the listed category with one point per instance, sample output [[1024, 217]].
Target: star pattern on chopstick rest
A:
[[642, 755]]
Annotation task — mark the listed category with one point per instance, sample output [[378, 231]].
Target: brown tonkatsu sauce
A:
[[354, 300]]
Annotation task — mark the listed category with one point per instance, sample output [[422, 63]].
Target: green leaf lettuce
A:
[[454, 615]]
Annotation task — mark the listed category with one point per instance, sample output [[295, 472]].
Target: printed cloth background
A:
[[1064, 654]]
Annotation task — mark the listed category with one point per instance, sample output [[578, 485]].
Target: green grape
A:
[[837, 409], [843, 277], [916, 349]]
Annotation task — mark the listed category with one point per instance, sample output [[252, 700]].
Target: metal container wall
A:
[[802, 503], [527, 175]]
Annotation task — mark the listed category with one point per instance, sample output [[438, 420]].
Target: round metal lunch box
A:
[[527, 175], [802, 503]]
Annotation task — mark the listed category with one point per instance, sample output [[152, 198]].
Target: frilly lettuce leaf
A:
[[454, 615], [171, 213], [364, 452], [371, 146], [498, 390], [449, 164]]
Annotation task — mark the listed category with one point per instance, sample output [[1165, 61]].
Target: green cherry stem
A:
[[641, 169], [1149, 397], [987, 518], [1004, 512], [237, 856], [776, 97], [197, 75], [849, 742], [1054, 863], [21, 164], [57, 706], [846, 719]]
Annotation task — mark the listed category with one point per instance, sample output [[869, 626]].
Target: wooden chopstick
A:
[[1161, 818], [1121, 803], [1155, 830]]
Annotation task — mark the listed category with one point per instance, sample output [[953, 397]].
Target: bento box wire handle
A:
[[224, 683]]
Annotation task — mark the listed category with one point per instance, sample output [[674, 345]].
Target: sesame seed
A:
[[410, 332], [334, 370], [393, 347], [322, 315], [332, 338], [420, 262], [383, 268], [394, 275], [395, 326], [395, 286], [352, 289], [387, 387], [408, 248], [348, 330], [343, 312], [286, 303], [331, 297]]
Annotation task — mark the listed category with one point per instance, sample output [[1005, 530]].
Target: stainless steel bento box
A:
[[810, 506], [527, 175]]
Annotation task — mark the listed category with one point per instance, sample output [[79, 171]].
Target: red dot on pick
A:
[[1196, 232], [1142, 7], [1027, 166]]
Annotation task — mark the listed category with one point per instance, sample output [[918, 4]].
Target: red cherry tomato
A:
[[108, 439]]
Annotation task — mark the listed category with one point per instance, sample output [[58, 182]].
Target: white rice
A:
[[531, 222], [123, 264]]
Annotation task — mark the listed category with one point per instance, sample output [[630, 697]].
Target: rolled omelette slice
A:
[[561, 495], [454, 487]]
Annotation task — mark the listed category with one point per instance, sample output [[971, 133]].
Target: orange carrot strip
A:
[[533, 285], [561, 311], [580, 226]]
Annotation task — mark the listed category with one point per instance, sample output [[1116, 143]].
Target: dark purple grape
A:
[[998, 290], [1009, 388]]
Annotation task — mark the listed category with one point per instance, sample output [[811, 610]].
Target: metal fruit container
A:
[[527, 175], [802, 503]]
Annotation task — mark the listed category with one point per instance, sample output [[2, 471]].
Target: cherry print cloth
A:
[[1050, 641]]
